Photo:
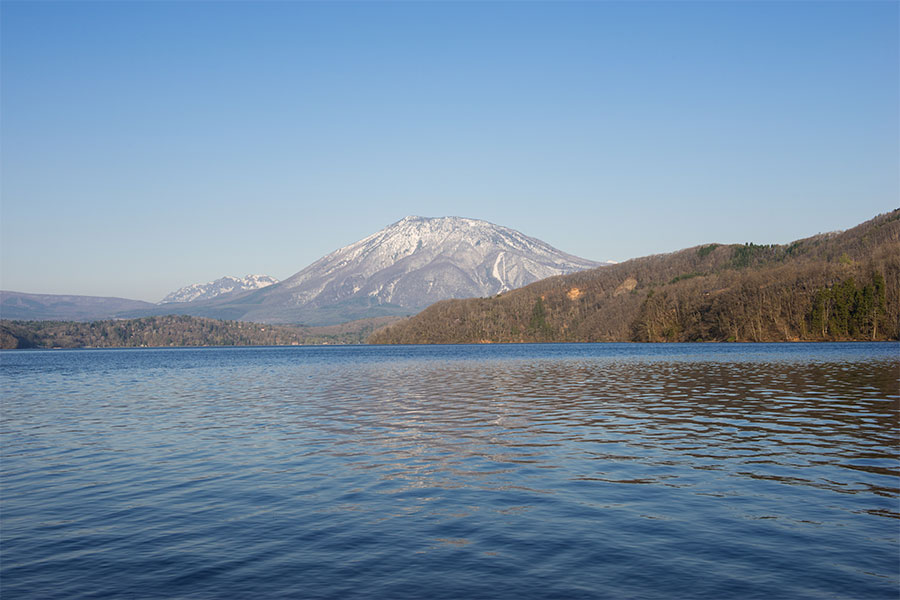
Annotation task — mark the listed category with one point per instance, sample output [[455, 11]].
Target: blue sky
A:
[[147, 146]]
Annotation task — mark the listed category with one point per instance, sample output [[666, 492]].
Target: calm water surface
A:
[[525, 471]]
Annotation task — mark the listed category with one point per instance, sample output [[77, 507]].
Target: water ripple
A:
[[608, 471]]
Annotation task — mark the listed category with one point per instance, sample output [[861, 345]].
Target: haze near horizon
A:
[[147, 146]]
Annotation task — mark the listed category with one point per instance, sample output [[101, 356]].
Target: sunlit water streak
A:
[[537, 471]]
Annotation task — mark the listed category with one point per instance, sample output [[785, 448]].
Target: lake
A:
[[495, 471]]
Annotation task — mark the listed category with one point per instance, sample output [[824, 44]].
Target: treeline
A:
[[173, 330], [838, 286]]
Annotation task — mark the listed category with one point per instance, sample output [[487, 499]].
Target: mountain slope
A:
[[219, 287], [829, 287]]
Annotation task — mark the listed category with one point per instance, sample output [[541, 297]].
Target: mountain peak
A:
[[419, 260], [223, 285]]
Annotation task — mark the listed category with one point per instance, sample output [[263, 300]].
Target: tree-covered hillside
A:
[[837, 286], [173, 330]]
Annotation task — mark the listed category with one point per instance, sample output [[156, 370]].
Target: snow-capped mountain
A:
[[396, 271], [418, 261], [400, 270], [224, 285]]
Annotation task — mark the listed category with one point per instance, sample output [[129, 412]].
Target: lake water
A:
[[519, 471]]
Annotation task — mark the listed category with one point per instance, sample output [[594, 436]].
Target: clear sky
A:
[[150, 145]]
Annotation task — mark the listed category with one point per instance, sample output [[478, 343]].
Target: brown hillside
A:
[[835, 286]]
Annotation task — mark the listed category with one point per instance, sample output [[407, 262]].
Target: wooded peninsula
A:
[[176, 330]]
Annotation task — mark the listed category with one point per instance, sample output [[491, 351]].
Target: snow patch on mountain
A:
[[224, 285]]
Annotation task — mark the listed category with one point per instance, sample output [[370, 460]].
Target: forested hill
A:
[[175, 330], [835, 286]]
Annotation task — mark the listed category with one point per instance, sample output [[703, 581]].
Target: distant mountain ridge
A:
[[223, 285], [60, 307]]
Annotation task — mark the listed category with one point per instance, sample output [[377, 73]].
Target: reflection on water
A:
[[579, 471]]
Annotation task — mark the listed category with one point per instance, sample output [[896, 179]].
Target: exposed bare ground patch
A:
[[626, 286]]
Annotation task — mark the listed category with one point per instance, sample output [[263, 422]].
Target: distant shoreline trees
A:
[[172, 330]]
